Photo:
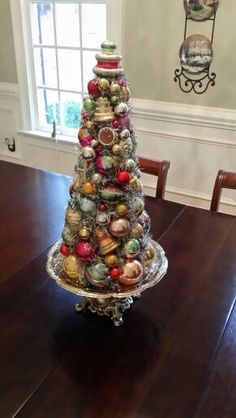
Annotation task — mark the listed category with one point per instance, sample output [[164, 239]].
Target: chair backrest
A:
[[157, 168], [224, 180]]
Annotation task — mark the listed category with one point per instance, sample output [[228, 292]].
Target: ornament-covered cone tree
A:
[[106, 247]]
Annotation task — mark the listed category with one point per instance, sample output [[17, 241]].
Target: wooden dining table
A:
[[173, 357]]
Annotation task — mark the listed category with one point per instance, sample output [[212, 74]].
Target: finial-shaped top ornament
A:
[[108, 61]]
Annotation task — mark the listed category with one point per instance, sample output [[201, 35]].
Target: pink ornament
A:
[[84, 115], [93, 88], [86, 141], [102, 207], [116, 123], [121, 82], [123, 177], [125, 121], [84, 250]]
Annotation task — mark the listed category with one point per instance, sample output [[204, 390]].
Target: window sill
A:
[[46, 136]]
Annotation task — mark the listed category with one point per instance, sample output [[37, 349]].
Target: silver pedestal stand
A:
[[112, 302]]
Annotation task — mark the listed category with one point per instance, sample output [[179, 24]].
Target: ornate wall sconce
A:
[[196, 52]]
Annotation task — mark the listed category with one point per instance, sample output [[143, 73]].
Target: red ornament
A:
[[123, 176], [93, 88], [115, 272], [116, 123], [121, 82], [99, 149], [84, 250], [102, 207], [64, 249]]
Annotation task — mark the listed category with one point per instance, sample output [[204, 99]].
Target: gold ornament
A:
[[103, 84], [132, 273], [71, 266], [121, 209], [103, 110], [136, 231], [84, 233], [149, 255], [126, 92], [115, 88], [134, 182], [74, 187], [106, 243], [111, 260], [89, 188], [73, 217], [89, 124], [116, 149]]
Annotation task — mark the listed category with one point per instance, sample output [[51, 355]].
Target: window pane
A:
[[45, 67], [94, 25], [42, 24], [71, 108], [67, 25], [89, 62], [69, 69], [48, 105]]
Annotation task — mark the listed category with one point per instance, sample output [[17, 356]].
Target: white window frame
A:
[[24, 58]]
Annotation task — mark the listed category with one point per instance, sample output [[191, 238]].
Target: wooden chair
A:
[[156, 168], [224, 180]]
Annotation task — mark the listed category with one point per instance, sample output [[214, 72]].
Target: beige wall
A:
[[153, 33], [7, 55]]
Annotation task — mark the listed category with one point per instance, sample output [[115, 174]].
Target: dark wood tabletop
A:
[[174, 356]]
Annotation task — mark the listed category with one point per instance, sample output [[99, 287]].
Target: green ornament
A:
[[131, 248], [115, 100], [89, 104]]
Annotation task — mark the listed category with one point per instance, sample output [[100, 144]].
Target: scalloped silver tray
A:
[[152, 275]]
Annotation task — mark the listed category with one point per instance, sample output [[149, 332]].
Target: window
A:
[[60, 39]]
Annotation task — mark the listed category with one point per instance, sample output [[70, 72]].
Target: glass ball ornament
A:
[[119, 228], [89, 104], [116, 149], [87, 205], [116, 123], [84, 233], [132, 273], [94, 143], [121, 109], [104, 164], [131, 248], [103, 84], [93, 88], [68, 235], [64, 249], [89, 124], [136, 230], [115, 100], [137, 205], [121, 209], [130, 164], [88, 153], [84, 250], [115, 272], [115, 89], [111, 260], [73, 217], [102, 218], [123, 177], [125, 133], [97, 274], [149, 255], [96, 178], [71, 266], [89, 188]]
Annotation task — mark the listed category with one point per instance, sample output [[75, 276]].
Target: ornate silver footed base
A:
[[113, 307]]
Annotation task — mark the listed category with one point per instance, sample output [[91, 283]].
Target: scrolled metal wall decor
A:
[[196, 52]]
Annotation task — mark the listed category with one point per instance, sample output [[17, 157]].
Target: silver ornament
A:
[[94, 143], [96, 178], [121, 109], [130, 164], [125, 134], [88, 152], [102, 218]]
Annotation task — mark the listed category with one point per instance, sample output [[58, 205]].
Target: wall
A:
[[7, 55], [196, 133]]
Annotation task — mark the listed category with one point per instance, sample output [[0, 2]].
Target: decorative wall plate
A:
[[196, 54], [200, 10]]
